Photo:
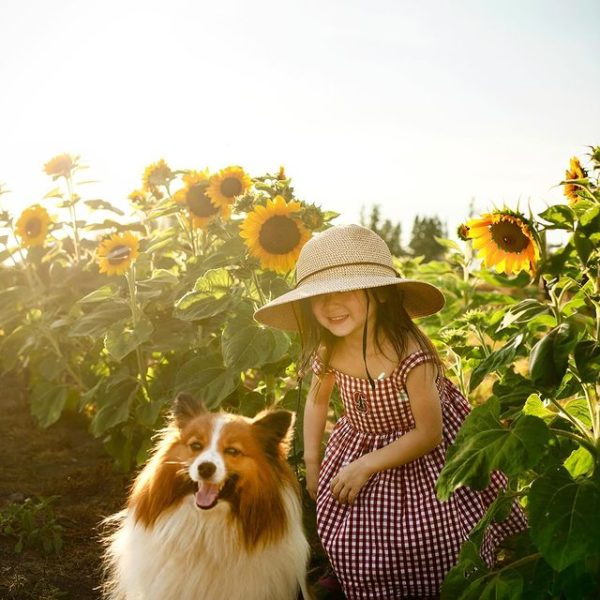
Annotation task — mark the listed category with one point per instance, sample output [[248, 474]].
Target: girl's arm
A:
[[426, 435], [315, 417]]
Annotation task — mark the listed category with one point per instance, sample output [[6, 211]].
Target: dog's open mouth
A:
[[209, 494]]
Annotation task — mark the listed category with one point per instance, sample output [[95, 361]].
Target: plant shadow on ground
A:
[[66, 461]]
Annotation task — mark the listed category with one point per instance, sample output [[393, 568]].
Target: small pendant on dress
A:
[[360, 402]]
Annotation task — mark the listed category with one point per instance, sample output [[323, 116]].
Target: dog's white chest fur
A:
[[189, 554]]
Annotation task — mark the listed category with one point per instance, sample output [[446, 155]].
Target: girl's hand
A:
[[346, 485], [312, 478]]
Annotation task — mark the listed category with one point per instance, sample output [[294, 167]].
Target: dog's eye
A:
[[195, 446], [232, 451]]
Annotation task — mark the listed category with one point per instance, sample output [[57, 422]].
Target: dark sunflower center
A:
[[33, 227], [279, 235], [118, 255], [199, 203], [509, 237], [231, 187]]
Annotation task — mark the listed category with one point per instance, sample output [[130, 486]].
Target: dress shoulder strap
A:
[[318, 367], [410, 362]]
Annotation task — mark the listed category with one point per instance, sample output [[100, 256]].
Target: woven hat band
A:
[[350, 271]]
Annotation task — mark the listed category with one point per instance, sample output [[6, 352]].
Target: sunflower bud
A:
[[576, 171], [244, 203], [463, 232], [312, 217]]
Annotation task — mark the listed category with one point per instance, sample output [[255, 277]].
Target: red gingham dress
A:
[[398, 540]]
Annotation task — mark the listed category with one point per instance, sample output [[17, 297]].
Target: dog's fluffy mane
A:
[[248, 544]]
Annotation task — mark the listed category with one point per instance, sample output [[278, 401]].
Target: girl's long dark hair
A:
[[392, 322]]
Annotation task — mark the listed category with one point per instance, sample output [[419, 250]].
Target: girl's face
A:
[[343, 313]]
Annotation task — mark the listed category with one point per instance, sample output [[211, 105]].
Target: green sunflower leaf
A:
[[560, 215], [252, 346], [121, 339], [103, 205], [505, 356], [564, 517], [484, 444], [207, 378], [47, 402]]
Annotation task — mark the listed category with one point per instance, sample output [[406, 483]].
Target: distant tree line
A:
[[422, 241]]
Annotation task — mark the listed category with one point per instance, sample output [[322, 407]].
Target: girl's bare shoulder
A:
[[412, 346]]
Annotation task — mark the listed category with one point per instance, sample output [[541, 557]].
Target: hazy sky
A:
[[417, 106]]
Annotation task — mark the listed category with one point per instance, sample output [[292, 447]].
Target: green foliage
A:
[[119, 348], [524, 349], [536, 355], [32, 524]]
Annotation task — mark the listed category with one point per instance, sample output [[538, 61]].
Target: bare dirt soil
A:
[[66, 461]]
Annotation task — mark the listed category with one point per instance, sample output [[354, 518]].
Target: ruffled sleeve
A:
[[410, 362]]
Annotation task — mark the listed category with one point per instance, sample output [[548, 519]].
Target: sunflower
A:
[[61, 165], [32, 226], [575, 172], [312, 217], [227, 184], [157, 173], [462, 232], [117, 253], [274, 234], [194, 196], [506, 240]]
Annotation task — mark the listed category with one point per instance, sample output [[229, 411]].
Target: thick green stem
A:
[[68, 367], [577, 438], [521, 561], [484, 346], [72, 202], [270, 388], [258, 288], [189, 232], [132, 295], [135, 319], [589, 192], [593, 407], [576, 422]]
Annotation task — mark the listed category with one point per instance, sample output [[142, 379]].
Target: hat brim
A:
[[421, 299]]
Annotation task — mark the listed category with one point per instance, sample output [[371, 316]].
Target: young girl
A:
[[380, 522]]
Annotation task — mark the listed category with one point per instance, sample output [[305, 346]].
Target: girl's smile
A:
[[343, 313]]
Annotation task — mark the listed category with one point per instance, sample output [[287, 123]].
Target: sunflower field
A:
[[111, 312]]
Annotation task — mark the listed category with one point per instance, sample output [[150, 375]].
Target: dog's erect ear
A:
[[186, 407], [274, 429]]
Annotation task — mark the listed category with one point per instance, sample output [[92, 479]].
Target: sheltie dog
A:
[[214, 515]]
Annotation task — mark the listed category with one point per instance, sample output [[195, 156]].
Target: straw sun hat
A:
[[341, 259]]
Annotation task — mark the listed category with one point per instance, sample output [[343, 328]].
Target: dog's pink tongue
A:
[[207, 494]]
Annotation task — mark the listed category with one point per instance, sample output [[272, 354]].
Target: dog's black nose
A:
[[206, 469]]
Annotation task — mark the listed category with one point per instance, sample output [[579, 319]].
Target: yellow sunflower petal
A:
[[194, 196], [274, 234], [32, 226], [61, 165], [504, 240], [116, 254], [227, 184]]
